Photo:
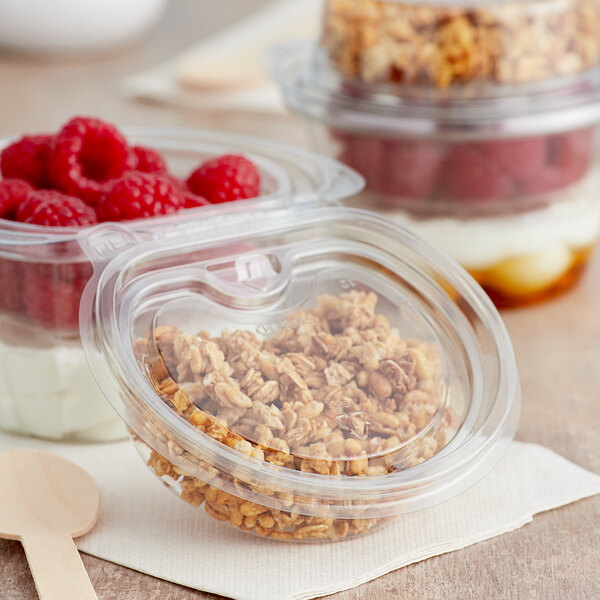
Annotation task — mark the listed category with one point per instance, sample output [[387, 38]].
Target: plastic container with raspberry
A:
[[57, 187], [474, 44], [306, 377], [506, 183]]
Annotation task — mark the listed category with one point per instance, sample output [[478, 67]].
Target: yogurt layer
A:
[[481, 243], [51, 393]]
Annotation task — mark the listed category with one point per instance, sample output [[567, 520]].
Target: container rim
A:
[[312, 88], [454, 469], [336, 181]]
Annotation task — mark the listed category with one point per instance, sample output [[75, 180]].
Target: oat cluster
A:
[[509, 42], [336, 391]]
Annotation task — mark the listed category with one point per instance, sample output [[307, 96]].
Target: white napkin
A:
[[225, 72], [145, 527]]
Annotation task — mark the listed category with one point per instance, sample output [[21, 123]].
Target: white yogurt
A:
[[51, 393], [481, 243]]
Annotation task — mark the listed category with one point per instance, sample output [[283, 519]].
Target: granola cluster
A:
[[507, 42], [336, 391]]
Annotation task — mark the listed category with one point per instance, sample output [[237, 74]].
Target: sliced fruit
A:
[[532, 273]]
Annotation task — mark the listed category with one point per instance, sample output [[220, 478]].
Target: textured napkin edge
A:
[[587, 485], [159, 86], [423, 554], [418, 556], [592, 488]]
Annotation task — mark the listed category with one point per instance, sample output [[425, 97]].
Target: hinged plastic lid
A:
[[289, 176], [324, 354], [312, 88]]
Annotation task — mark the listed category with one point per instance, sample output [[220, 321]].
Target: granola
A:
[[508, 42], [337, 391]]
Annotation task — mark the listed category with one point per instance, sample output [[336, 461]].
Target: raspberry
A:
[[57, 284], [11, 286], [51, 302], [27, 159], [13, 192], [139, 196], [571, 153], [188, 198], [520, 159], [548, 179], [224, 179], [472, 176], [59, 271], [149, 160], [87, 153], [191, 200], [26, 208], [413, 168], [53, 209], [399, 169], [364, 154], [569, 158]]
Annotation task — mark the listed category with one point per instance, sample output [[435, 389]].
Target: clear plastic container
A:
[[505, 181], [304, 377], [440, 44], [43, 273]]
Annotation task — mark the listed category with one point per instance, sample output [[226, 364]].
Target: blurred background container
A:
[[75, 25], [474, 125]]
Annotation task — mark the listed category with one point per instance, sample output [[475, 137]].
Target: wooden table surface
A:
[[557, 346]]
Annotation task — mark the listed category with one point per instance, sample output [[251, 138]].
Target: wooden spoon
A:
[[46, 501]]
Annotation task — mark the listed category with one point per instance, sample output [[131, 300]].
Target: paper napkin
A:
[[225, 71], [147, 528]]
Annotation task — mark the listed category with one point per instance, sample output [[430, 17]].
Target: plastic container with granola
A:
[[448, 44], [306, 376], [502, 178], [46, 387]]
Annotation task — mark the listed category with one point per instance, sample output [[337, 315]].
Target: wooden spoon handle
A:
[[57, 568]]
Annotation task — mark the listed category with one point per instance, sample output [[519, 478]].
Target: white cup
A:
[[72, 25]]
